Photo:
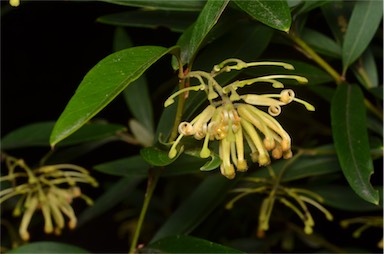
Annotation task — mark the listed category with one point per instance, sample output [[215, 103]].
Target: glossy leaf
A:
[[314, 75], [275, 14], [191, 40], [110, 198], [351, 140], [305, 166], [48, 247], [342, 197], [37, 134], [190, 5], [156, 157], [213, 162], [186, 244], [321, 43], [206, 197], [365, 70], [306, 6], [362, 26], [176, 21], [132, 166], [139, 102], [102, 84]]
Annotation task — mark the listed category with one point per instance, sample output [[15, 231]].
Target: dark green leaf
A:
[[197, 207], [351, 140], [121, 40], [186, 244], [306, 6], [37, 134], [110, 198], [132, 166], [342, 197], [337, 14], [314, 75], [139, 102], [156, 157], [102, 84], [377, 92], [363, 24], [213, 163], [193, 37], [365, 70], [176, 21], [305, 166], [48, 247], [275, 14], [190, 5], [321, 43]]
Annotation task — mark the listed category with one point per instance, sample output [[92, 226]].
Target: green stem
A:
[[151, 185], [315, 57]]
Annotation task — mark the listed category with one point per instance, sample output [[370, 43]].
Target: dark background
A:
[[46, 49]]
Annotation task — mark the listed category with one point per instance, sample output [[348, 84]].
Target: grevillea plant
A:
[[259, 130]]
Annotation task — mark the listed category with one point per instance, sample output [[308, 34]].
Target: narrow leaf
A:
[[206, 197], [48, 247], [110, 198], [321, 43], [366, 70], [342, 197], [190, 5], [186, 244], [193, 37], [37, 134], [363, 24], [132, 166], [102, 84], [351, 140], [176, 21], [156, 157], [275, 14]]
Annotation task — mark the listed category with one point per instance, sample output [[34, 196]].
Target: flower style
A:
[[42, 189], [230, 118]]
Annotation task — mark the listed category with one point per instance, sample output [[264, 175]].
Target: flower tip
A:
[[14, 3], [168, 102], [308, 230], [302, 80], [172, 153], [264, 160], [72, 224], [205, 152], [242, 165], [228, 171], [24, 235]]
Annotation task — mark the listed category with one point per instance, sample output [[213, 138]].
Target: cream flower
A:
[[230, 118]]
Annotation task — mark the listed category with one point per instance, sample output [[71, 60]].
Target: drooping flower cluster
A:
[[49, 188], [230, 118]]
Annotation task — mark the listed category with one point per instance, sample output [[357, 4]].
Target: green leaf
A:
[[206, 197], [351, 140], [186, 244], [156, 157], [139, 102], [110, 198], [176, 21], [305, 166], [190, 5], [102, 84], [48, 247], [306, 6], [121, 39], [342, 197], [363, 24], [321, 43], [275, 14], [209, 165], [132, 166], [314, 75], [191, 40], [37, 134], [365, 70]]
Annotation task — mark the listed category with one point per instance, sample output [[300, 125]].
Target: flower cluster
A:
[[49, 188], [232, 118]]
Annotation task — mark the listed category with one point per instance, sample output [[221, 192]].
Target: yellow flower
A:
[[230, 118], [42, 189]]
